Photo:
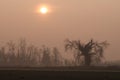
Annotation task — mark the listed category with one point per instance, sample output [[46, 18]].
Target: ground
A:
[[60, 73]]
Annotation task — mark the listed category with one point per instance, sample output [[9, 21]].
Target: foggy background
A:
[[73, 19]]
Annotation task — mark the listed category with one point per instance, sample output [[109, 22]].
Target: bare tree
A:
[[87, 50], [46, 59], [11, 52], [56, 57], [3, 58], [21, 57], [31, 56]]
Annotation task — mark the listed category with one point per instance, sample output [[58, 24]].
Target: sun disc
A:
[[43, 10]]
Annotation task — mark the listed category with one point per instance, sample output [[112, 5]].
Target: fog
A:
[[73, 19]]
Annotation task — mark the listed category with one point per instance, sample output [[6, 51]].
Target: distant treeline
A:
[[22, 54]]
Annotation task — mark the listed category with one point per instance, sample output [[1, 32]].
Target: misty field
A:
[[23, 61], [59, 39]]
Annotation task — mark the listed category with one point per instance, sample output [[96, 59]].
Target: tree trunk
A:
[[87, 60]]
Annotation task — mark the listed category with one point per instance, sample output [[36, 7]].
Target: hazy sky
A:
[[73, 19]]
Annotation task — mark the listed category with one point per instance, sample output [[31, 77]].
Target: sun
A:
[[43, 10]]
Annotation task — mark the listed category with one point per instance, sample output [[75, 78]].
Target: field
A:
[[60, 73]]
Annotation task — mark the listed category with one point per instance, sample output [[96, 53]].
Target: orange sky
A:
[[73, 19]]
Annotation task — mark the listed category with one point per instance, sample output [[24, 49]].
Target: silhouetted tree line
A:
[[32, 56]]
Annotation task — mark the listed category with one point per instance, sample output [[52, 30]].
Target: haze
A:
[[73, 19]]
